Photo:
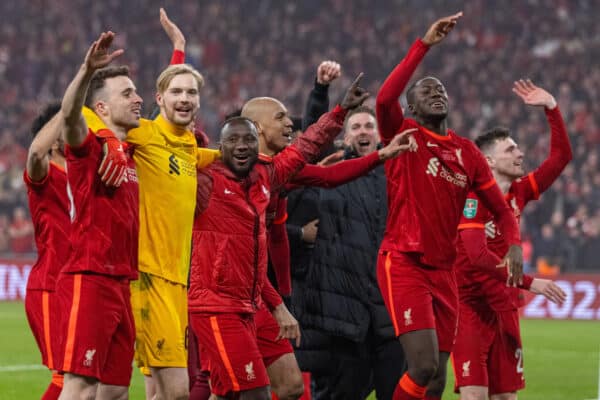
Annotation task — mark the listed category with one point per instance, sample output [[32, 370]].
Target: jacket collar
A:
[[221, 168]]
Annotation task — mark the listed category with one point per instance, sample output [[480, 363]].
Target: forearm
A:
[[269, 295], [279, 254], [321, 133], [37, 158], [337, 174], [389, 112], [560, 151], [316, 105], [73, 100]]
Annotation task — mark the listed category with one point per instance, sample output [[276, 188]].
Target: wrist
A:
[[381, 154], [552, 104]]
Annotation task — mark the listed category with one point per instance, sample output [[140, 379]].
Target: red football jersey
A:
[[476, 285], [49, 207], [427, 189], [104, 233]]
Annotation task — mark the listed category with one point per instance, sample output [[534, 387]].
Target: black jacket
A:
[[335, 291]]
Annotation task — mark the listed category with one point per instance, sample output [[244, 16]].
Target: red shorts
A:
[[229, 350], [43, 314], [267, 330], [98, 330], [488, 350], [418, 297]]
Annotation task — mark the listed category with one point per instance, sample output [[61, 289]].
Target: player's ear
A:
[[100, 108], [159, 99], [490, 161]]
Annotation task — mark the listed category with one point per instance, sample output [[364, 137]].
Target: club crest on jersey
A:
[[407, 317], [470, 210], [250, 371], [466, 369]]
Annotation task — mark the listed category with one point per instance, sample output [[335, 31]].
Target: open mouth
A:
[[438, 105], [241, 159], [137, 111], [364, 143], [287, 135]]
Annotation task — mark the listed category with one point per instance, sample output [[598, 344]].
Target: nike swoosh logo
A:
[[429, 144]]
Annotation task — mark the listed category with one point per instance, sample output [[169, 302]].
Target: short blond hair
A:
[[165, 77]]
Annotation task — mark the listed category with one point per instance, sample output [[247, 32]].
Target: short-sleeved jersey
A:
[[166, 158], [476, 285], [427, 190], [104, 229], [49, 207]]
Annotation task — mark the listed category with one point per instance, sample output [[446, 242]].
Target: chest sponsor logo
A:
[[434, 168], [470, 210], [174, 165]]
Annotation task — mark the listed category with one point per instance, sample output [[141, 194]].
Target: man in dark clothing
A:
[[348, 339]]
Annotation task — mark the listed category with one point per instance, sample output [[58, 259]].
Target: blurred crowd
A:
[[248, 48]]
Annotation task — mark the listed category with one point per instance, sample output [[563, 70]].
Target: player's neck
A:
[[57, 158], [263, 148], [503, 182], [437, 126]]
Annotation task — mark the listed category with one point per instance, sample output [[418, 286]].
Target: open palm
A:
[[533, 95], [98, 55]]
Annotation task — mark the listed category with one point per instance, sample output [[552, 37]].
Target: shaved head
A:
[[260, 107], [273, 124]]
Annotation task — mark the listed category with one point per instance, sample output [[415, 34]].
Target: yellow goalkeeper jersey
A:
[[166, 158]]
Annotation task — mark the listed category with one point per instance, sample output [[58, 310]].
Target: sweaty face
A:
[[239, 147], [123, 104], [507, 159], [275, 127], [430, 99], [181, 100], [361, 133]]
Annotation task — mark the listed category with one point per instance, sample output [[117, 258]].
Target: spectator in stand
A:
[[20, 232]]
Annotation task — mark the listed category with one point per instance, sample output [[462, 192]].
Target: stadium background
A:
[[248, 48]]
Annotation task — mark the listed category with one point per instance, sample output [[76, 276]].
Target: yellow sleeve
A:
[[93, 121], [141, 135], [137, 136], [207, 156]]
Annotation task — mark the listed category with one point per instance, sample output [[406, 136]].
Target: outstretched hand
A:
[[440, 28], [549, 290], [355, 95], [402, 142], [533, 95], [172, 30], [98, 55], [327, 72]]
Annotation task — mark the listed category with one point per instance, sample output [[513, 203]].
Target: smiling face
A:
[[428, 99], [272, 121], [239, 146], [121, 103], [180, 100], [505, 158], [361, 133]]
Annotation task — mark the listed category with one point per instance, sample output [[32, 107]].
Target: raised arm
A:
[[346, 171], [175, 36], [37, 158], [560, 146], [318, 99], [389, 112], [308, 145], [98, 56]]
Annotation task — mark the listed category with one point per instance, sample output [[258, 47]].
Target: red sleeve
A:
[[388, 110], [306, 147], [488, 191], [178, 57], [337, 174], [539, 181], [203, 191], [269, 295], [279, 249], [480, 257]]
